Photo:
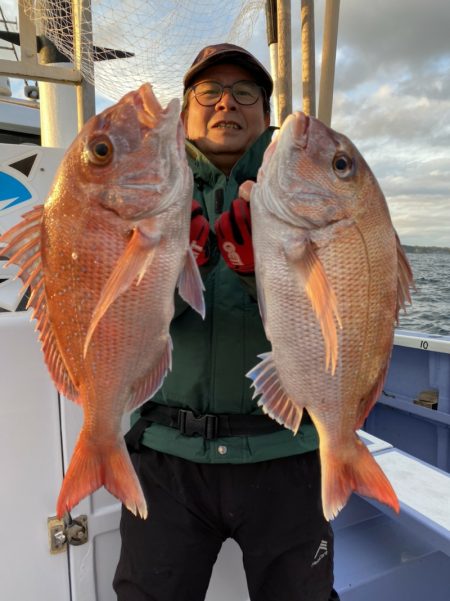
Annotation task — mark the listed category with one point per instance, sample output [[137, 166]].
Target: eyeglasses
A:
[[209, 93]]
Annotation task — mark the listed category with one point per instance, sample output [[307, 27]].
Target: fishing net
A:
[[132, 41]]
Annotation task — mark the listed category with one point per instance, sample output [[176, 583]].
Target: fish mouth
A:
[[154, 119], [148, 109], [293, 135], [300, 129]]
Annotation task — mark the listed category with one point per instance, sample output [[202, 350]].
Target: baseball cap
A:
[[229, 53]]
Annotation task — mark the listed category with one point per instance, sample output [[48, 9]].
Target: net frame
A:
[[163, 37]]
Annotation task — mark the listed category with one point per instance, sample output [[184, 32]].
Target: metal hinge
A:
[[68, 530]]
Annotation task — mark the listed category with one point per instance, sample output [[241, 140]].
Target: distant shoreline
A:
[[425, 249]]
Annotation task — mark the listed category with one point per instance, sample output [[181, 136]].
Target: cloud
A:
[[387, 113], [421, 220], [406, 32]]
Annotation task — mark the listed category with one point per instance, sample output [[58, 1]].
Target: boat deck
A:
[[409, 552]]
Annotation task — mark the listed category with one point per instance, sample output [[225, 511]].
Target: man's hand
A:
[[198, 235], [234, 237]]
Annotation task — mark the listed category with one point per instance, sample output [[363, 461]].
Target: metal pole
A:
[[27, 28], [308, 58], [328, 60], [273, 49], [83, 56], [272, 41], [284, 60], [58, 105]]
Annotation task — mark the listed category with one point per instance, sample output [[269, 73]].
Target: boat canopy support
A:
[[328, 60], [278, 17]]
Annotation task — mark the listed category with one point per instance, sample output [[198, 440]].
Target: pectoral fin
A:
[[313, 279], [136, 259], [190, 285]]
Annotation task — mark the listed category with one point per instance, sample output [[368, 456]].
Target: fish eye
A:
[[100, 151], [342, 165]]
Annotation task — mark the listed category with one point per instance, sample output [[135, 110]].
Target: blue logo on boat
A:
[[12, 192]]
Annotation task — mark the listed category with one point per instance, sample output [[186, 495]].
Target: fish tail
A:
[[353, 469], [94, 465]]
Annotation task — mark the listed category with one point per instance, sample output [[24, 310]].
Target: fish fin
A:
[[133, 264], [404, 278], [368, 401], [153, 381], [262, 304], [56, 365], [274, 400], [345, 470], [25, 229], [23, 248], [94, 465], [314, 281], [190, 285]]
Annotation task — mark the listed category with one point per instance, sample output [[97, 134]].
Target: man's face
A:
[[224, 131]]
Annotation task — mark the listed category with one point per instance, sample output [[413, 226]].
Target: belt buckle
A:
[[205, 425]]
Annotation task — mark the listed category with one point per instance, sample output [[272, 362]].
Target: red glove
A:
[[234, 237], [199, 233]]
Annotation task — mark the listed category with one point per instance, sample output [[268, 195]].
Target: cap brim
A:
[[232, 56]]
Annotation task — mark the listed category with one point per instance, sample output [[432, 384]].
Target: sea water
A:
[[430, 309]]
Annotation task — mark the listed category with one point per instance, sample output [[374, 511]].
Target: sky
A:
[[391, 98]]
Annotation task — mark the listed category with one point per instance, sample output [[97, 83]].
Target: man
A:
[[210, 464]]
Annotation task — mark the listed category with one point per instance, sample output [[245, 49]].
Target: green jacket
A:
[[211, 357]]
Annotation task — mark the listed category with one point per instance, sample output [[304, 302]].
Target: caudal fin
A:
[[95, 465], [353, 469]]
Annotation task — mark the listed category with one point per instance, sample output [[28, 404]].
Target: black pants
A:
[[272, 509]]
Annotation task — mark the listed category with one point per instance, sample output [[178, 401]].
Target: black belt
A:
[[209, 426]]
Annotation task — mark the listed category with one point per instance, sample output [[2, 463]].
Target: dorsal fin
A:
[[404, 278], [23, 248]]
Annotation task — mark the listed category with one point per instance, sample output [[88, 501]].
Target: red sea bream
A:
[[103, 257], [331, 278]]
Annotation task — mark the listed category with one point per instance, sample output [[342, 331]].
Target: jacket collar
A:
[[245, 168]]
